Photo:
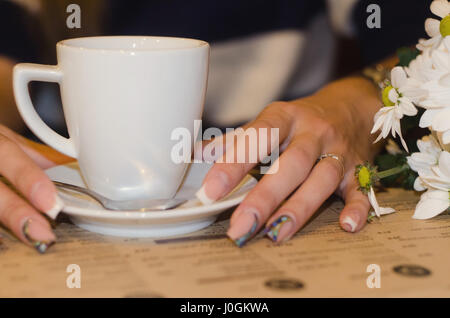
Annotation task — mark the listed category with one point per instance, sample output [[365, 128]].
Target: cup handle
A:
[[23, 74]]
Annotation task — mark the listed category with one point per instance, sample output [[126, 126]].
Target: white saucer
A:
[[189, 217]]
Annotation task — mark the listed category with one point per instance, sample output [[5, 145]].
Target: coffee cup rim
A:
[[66, 43]]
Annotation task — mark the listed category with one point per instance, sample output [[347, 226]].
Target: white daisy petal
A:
[[398, 113], [398, 77], [407, 107], [393, 95], [427, 159], [445, 80], [403, 142], [420, 161], [440, 175], [384, 211], [431, 204], [440, 59], [446, 137], [373, 202], [435, 194], [430, 43], [378, 138], [394, 132], [441, 122], [433, 181], [379, 120], [432, 27], [418, 185], [430, 145], [444, 164], [387, 124], [397, 129], [440, 8], [413, 93], [446, 42], [438, 95], [427, 118]]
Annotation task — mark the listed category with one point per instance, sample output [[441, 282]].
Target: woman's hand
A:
[[336, 120], [21, 163]]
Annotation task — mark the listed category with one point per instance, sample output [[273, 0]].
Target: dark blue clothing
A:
[[18, 37], [402, 22], [208, 20]]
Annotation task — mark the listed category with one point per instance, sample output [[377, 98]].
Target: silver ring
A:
[[339, 159]]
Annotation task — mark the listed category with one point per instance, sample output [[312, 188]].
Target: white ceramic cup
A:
[[122, 97]]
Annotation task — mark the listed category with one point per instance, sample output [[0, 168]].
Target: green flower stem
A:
[[391, 172]]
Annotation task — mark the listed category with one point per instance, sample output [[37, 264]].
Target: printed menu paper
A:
[[392, 256]]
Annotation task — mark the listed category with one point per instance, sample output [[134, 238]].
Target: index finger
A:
[[240, 157], [28, 178]]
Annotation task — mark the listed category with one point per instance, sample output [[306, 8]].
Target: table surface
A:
[[321, 260]]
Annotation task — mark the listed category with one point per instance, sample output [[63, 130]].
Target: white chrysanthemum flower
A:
[[422, 161], [437, 119], [436, 29], [438, 177], [425, 83], [437, 180], [434, 68], [398, 101], [431, 66], [435, 74], [437, 113], [421, 69]]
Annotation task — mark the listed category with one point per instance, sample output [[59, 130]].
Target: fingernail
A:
[[44, 198], [349, 224], [38, 235], [57, 207], [214, 189], [281, 229], [243, 227]]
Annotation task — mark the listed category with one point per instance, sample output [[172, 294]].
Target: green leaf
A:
[[406, 55]]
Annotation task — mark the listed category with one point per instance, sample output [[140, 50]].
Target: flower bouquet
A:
[[417, 95]]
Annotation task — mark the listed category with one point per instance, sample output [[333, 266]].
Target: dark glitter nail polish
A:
[[40, 246], [274, 229], [243, 239]]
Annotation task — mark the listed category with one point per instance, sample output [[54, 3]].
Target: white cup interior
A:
[[132, 43]]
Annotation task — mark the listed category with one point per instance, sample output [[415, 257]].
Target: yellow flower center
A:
[[385, 96], [444, 26], [364, 177]]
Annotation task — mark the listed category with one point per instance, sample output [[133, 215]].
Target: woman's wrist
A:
[[355, 92], [350, 103]]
